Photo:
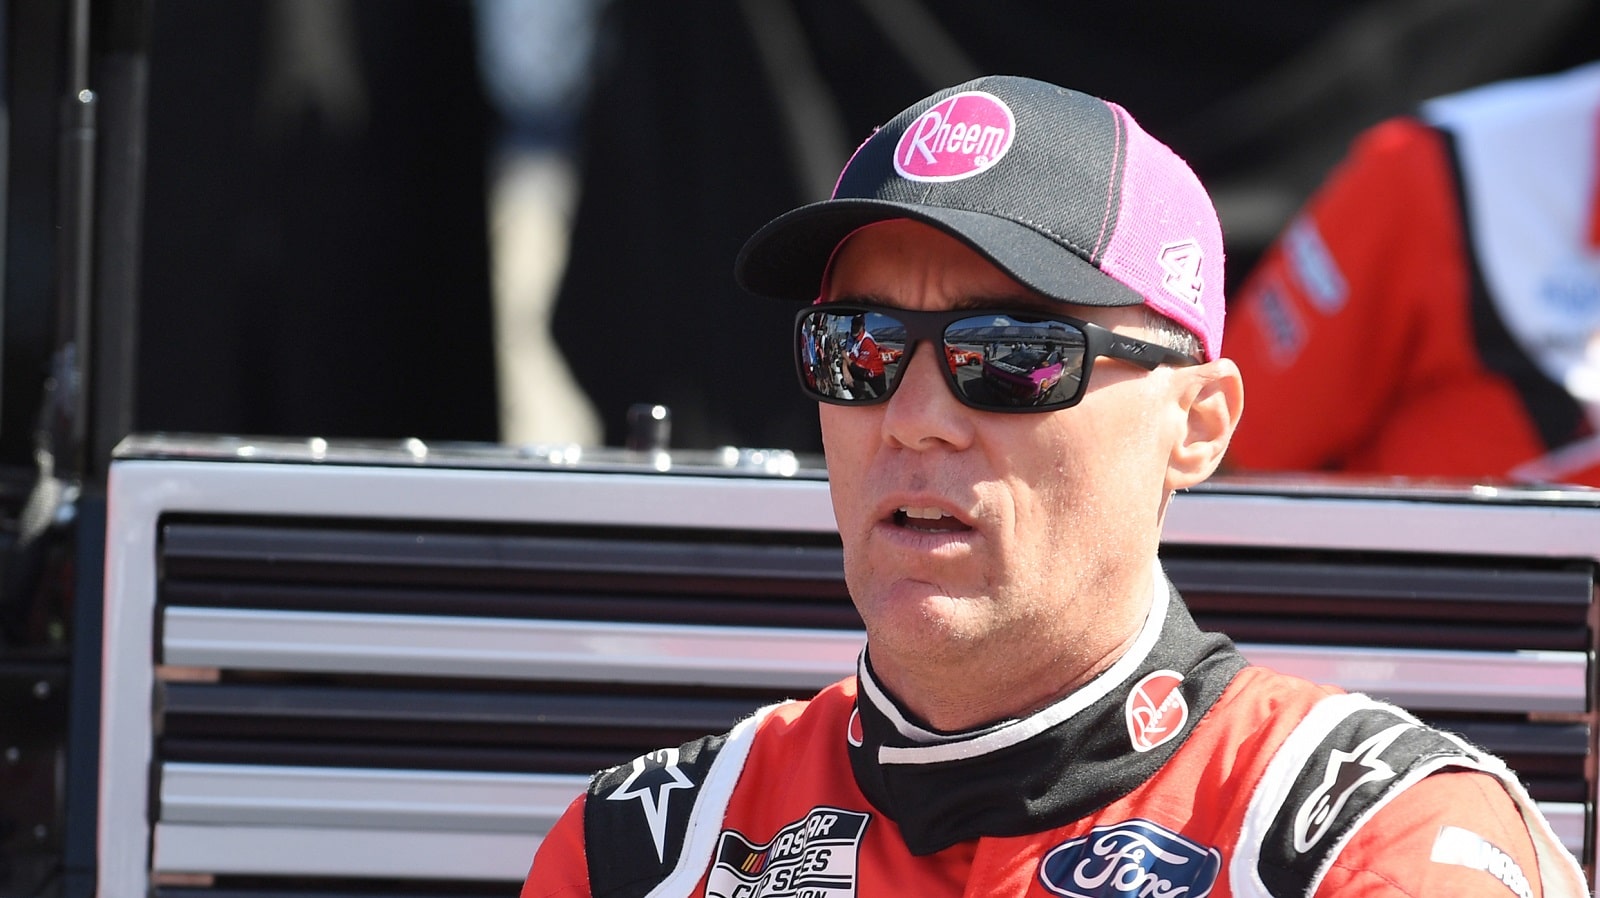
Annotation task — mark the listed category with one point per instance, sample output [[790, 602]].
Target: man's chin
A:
[[928, 623]]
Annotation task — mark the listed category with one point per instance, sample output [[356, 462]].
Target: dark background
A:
[[301, 267]]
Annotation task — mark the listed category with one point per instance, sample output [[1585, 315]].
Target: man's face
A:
[[988, 544]]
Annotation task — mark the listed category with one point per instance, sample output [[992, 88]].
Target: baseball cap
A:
[[1061, 190]]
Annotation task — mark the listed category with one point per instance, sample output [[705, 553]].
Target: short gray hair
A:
[[1166, 332]]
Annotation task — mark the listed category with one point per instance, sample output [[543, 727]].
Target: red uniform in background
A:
[[867, 370], [1435, 310]]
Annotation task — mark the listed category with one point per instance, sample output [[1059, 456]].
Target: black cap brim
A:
[[786, 258]]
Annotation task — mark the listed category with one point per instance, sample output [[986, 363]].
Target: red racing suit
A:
[[1435, 309], [866, 355], [1181, 772]]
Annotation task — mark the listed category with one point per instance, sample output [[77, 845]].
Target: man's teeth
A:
[[927, 519]]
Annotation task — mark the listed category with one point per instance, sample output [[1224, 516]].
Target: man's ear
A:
[[1213, 398]]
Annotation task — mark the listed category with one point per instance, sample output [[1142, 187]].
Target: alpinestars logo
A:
[[651, 782], [1346, 772], [813, 857]]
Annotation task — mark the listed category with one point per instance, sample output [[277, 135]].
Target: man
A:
[[1035, 712], [867, 370], [1435, 308]]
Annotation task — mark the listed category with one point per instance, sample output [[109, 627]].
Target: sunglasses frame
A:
[[930, 327]]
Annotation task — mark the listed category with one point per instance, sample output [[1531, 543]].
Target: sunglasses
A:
[[995, 360]]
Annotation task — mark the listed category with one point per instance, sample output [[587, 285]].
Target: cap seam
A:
[[1067, 242], [1119, 138]]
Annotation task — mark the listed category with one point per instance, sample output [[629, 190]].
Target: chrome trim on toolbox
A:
[[1383, 524], [711, 655], [312, 851], [331, 797], [1440, 680], [507, 648]]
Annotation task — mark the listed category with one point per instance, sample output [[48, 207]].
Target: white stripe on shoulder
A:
[[705, 820], [1559, 872], [1273, 789]]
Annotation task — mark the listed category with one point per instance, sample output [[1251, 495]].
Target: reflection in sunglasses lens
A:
[[995, 361], [1007, 362]]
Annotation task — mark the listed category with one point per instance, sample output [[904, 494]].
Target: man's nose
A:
[[923, 413]]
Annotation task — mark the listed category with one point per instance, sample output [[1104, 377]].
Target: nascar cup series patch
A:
[[957, 138], [813, 857], [1134, 857]]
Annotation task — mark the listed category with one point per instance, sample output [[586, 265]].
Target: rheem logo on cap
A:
[[958, 138]]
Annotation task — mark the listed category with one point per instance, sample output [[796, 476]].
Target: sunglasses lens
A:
[[849, 355], [1007, 362], [999, 362]]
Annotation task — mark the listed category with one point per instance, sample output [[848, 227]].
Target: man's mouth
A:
[[927, 520]]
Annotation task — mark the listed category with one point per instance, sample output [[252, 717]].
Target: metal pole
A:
[[121, 78], [63, 422]]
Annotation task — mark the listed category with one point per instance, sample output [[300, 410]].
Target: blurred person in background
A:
[[536, 60], [1434, 311]]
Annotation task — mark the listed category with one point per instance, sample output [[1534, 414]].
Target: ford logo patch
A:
[[1131, 859]]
